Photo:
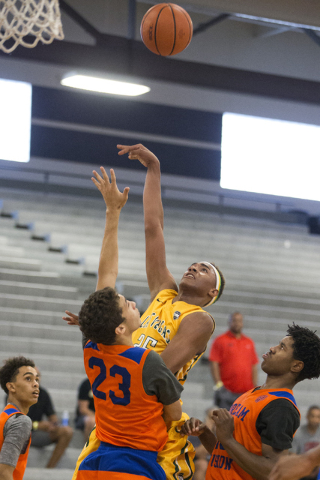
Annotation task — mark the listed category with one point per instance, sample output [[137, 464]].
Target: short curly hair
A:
[[306, 347], [10, 370], [100, 315]]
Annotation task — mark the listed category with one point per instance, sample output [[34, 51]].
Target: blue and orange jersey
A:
[[8, 412], [126, 415], [245, 411]]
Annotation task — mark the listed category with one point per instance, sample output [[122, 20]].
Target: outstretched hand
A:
[[138, 152], [109, 190], [71, 319]]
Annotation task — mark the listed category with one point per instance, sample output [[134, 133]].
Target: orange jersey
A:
[[125, 415], [245, 411], [9, 411], [160, 323]]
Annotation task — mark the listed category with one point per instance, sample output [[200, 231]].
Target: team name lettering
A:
[[158, 325], [261, 398], [219, 445], [238, 410], [147, 320], [220, 461]]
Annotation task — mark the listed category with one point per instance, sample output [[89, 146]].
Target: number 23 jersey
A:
[[130, 386], [160, 323]]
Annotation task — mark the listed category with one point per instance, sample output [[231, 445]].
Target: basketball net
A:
[[37, 19]]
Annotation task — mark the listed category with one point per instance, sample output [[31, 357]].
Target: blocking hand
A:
[[109, 190]]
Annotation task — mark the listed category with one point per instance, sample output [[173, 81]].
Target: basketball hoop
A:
[[21, 20]]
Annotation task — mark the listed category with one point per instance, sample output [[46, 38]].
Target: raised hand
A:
[[71, 319], [111, 194], [139, 152]]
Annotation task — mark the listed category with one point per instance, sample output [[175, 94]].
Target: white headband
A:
[[218, 284]]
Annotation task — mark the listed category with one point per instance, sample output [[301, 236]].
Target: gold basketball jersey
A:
[[160, 323]]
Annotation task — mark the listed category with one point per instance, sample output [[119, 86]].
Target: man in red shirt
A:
[[233, 362]]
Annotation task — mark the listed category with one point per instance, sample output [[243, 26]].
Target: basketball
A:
[[166, 29]]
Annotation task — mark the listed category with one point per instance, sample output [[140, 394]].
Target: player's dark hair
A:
[[223, 281], [100, 315], [10, 370], [306, 347]]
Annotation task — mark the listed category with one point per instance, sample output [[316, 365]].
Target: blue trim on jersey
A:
[[134, 353], [287, 395], [11, 410], [111, 458], [92, 345]]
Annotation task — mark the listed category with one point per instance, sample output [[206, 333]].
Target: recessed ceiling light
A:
[[103, 85]]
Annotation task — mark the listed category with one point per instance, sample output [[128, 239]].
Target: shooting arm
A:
[[158, 274]]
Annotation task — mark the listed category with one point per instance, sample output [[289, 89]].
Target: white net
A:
[[26, 22]]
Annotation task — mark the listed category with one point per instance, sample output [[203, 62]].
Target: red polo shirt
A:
[[235, 356]]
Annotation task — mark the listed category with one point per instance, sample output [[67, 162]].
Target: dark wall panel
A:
[[118, 113], [101, 150]]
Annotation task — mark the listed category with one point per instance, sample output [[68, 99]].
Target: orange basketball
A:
[[166, 29]]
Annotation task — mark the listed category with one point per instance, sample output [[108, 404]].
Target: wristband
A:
[[35, 426], [218, 385]]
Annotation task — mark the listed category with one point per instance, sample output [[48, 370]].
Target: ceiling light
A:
[[103, 85]]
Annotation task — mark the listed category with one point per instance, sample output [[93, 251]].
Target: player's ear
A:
[[213, 292], [120, 330], [11, 387], [297, 366]]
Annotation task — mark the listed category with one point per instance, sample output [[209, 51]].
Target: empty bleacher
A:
[[49, 251]]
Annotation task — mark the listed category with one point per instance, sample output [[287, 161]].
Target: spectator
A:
[[308, 437], [233, 363], [85, 413], [48, 431]]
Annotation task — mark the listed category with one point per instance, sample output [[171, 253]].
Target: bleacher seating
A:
[[49, 251]]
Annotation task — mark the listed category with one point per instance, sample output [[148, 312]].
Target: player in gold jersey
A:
[[175, 324]]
